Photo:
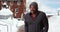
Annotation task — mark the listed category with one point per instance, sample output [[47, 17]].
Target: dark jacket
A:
[[40, 24]]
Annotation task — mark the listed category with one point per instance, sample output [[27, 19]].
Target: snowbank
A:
[[54, 24]]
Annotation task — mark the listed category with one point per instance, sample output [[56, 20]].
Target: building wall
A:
[[0, 5]]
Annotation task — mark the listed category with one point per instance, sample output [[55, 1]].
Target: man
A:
[[35, 21]]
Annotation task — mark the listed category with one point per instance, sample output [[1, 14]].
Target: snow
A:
[[13, 24], [54, 24], [5, 11], [3, 28]]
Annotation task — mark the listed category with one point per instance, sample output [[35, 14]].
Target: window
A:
[[18, 3], [11, 3], [16, 10]]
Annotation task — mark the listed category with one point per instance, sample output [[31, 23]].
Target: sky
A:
[[52, 3]]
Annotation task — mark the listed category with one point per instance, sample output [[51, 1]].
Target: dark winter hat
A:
[[34, 4]]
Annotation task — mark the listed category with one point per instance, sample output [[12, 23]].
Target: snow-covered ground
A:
[[54, 24], [10, 25]]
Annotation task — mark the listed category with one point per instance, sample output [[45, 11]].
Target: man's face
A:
[[32, 9]]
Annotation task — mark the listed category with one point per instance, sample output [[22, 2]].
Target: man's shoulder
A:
[[42, 14]]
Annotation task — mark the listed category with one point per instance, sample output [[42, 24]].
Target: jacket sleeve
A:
[[26, 25], [45, 23]]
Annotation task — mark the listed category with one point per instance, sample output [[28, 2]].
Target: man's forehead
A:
[[33, 6]]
